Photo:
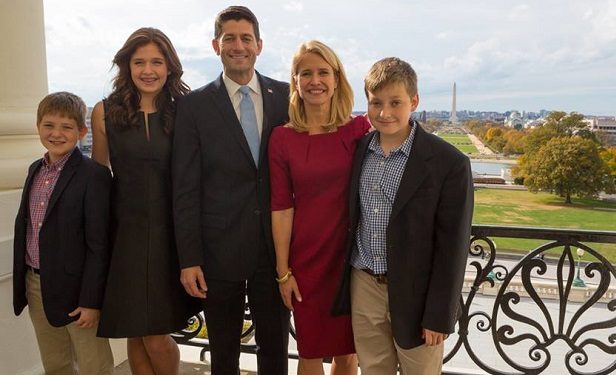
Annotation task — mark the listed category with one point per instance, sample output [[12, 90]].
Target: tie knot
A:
[[244, 90]]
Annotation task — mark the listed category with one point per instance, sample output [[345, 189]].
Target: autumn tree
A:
[[568, 165], [515, 142], [609, 157]]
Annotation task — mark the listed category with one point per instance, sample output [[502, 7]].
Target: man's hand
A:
[[433, 338], [193, 281], [87, 317], [287, 290]]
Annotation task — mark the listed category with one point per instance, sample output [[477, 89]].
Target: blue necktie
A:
[[248, 119]]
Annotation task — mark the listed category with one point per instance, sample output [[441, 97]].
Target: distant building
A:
[[514, 120], [531, 124], [604, 124], [85, 144]]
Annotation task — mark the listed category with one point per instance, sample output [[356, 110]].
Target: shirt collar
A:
[[405, 147], [233, 87], [58, 164]]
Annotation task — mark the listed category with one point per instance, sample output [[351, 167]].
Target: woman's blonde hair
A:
[[341, 102]]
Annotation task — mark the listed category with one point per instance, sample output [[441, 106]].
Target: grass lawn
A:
[[522, 208], [461, 141]]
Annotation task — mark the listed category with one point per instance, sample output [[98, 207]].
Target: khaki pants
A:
[[377, 351], [67, 350]]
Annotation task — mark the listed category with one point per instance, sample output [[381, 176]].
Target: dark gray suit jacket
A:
[[428, 238], [221, 198], [73, 240]]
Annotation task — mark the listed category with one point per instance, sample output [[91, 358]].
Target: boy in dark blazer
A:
[[411, 205], [61, 254]]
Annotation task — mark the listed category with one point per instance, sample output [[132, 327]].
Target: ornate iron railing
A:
[[534, 315]]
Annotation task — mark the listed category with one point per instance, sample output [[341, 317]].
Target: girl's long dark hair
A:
[[122, 105]]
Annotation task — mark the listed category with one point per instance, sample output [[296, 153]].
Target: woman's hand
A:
[[288, 289]]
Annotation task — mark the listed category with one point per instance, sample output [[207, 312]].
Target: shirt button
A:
[[382, 163], [375, 187], [375, 236], [376, 210], [42, 203], [40, 225], [47, 182]]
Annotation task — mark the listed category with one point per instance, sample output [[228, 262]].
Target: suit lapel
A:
[[415, 171], [223, 102], [65, 176], [358, 161], [25, 197], [267, 94]]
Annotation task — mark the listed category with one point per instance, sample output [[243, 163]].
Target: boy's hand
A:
[[433, 338], [193, 281], [87, 317], [287, 290]]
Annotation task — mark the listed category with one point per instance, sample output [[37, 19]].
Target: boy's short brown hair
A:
[[65, 104], [388, 71]]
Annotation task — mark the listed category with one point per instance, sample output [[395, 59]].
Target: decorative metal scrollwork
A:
[[543, 322], [518, 316]]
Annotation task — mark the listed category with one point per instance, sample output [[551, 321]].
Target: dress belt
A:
[[380, 278], [35, 270]]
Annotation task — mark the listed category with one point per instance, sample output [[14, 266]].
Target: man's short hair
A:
[[236, 13]]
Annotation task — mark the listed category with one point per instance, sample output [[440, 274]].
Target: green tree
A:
[[609, 157], [569, 124], [538, 137], [568, 166]]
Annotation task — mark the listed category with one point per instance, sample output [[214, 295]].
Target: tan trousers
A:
[[67, 350], [377, 351]]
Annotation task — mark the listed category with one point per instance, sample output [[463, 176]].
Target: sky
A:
[[503, 55]]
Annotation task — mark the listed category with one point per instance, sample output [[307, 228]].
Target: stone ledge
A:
[[545, 289]]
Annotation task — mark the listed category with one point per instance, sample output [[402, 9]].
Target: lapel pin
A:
[[270, 91]]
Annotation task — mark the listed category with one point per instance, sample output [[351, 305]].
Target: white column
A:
[[23, 83], [23, 73]]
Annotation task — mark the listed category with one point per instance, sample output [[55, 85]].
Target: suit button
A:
[[257, 212], [260, 180]]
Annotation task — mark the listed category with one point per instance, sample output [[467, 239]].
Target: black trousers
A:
[[224, 316]]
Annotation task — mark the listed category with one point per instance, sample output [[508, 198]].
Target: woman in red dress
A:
[[310, 165]]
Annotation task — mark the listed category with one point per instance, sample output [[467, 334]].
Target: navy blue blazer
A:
[[73, 240], [428, 238], [221, 199]]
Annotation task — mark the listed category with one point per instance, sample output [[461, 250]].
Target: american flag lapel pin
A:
[[270, 91]]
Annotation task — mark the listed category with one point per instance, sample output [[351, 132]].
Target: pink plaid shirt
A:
[[42, 186]]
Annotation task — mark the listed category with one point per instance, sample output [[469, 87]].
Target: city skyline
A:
[[503, 57]]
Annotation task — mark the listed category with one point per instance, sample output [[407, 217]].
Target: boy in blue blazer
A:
[[61, 252]]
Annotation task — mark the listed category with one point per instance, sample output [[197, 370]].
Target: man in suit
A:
[[222, 198], [411, 204], [61, 256]]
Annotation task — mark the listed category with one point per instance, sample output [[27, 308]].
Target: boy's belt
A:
[[35, 270], [379, 278]]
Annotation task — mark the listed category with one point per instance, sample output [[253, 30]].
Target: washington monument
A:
[[453, 118]]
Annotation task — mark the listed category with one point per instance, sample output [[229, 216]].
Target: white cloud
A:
[[493, 49], [294, 6], [519, 12]]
